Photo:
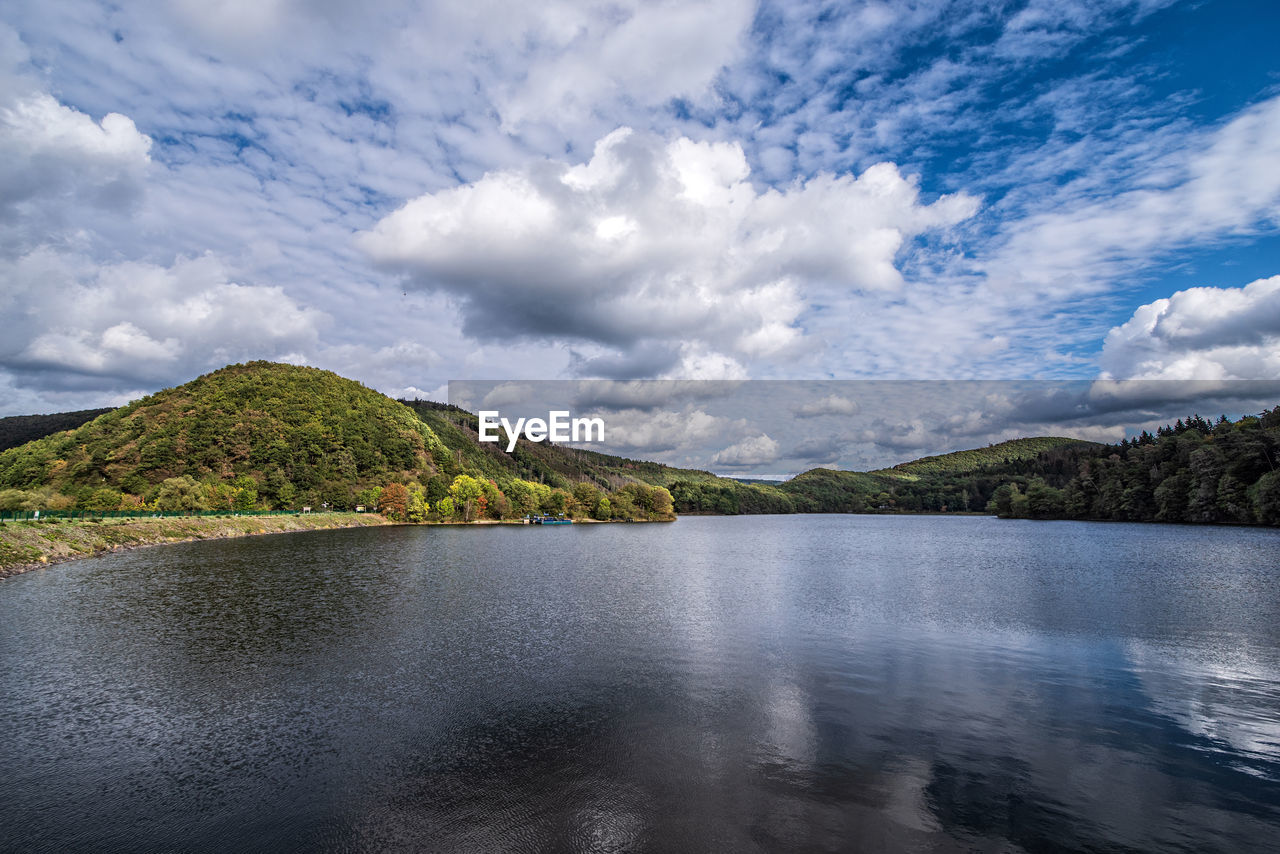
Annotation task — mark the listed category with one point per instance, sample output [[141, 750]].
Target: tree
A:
[[1266, 497], [1002, 500], [445, 507], [604, 510], [521, 496], [467, 493], [103, 499], [418, 507], [180, 494], [585, 498], [1043, 501], [557, 502], [395, 502], [368, 498], [660, 502], [245, 498]]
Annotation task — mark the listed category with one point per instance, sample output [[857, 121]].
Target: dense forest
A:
[[1191, 471], [269, 436]]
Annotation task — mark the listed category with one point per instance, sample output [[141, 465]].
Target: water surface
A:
[[799, 683]]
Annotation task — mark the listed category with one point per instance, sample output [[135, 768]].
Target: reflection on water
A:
[[776, 683]]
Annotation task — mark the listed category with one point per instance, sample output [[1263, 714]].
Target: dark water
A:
[[720, 684]]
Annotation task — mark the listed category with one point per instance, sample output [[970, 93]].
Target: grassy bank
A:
[[27, 545]]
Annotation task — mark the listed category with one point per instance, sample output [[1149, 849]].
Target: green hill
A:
[[297, 433], [959, 462], [265, 435]]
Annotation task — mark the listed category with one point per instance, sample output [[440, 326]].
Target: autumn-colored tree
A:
[[394, 503]]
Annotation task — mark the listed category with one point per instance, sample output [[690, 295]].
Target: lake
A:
[[782, 683]]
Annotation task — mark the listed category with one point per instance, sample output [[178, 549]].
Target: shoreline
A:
[[25, 546], [29, 545]]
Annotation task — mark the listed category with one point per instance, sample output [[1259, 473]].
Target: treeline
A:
[[469, 499], [961, 482], [1192, 471]]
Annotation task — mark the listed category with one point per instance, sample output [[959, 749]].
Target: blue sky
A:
[[413, 193]]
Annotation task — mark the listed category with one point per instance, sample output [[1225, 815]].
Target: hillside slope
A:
[[294, 431], [273, 436], [959, 462], [543, 462]]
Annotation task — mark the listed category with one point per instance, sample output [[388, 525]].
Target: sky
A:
[[412, 193]]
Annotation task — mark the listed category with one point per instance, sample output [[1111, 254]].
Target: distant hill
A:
[[958, 462], [17, 430]]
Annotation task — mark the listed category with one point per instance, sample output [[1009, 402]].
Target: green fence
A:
[[40, 515]]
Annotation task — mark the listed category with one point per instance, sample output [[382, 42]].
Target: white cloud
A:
[[754, 451], [584, 57], [832, 404], [60, 169], [657, 240], [1222, 182], [269, 133], [1200, 334], [654, 431], [142, 322], [45, 144]]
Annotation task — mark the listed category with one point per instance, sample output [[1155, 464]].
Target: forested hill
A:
[[1194, 470], [273, 436], [977, 459], [962, 481]]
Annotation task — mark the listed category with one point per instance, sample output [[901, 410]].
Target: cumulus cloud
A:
[[283, 127], [753, 451], [1200, 334], [832, 404], [656, 240], [664, 430], [825, 449], [645, 394], [46, 147], [93, 324], [58, 166]]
